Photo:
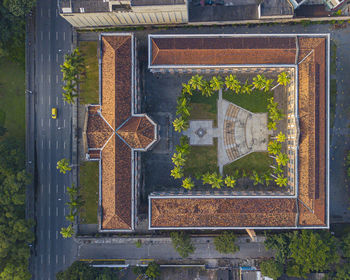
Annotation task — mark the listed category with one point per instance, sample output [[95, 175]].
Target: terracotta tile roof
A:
[[94, 154], [220, 212], [116, 79], [138, 132], [312, 121], [98, 131], [226, 50]]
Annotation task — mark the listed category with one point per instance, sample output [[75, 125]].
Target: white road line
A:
[[64, 145], [64, 211], [42, 188], [64, 259], [41, 12], [56, 104], [64, 189], [56, 259], [56, 234], [42, 165], [42, 124], [49, 188], [42, 212], [42, 78], [56, 188], [42, 140], [41, 259], [56, 122], [41, 35], [48, 234], [49, 165], [49, 212], [56, 79], [48, 258], [56, 144], [49, 58], [64, 123], [56, 211], [42, 58], [56, 13], [49, 35], [42, 100], [56, 57], [50, 122], [49, 95], [56, 33], [49, 13], [49, 79], [64, 36]]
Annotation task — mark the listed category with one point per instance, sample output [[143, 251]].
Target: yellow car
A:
[[54, 113]]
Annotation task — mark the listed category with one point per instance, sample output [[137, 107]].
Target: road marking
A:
[[56, 57], [49, 212], [64, 259], [64, 36], [64, 123], [42, 211], [56, 79], [64, 211], [42, 166], [49, 12], [56, 234], [42, 189], [42, 78], [49, 58], [56, 34], [41, 12], [49, 79], [49, 234], [56, 259], [42, 100], [64, 145], [56, 104], [57, 146], [42, 140], [49, 165], [42, 58], [49, 35], [56, 211], [41, 259], [41, 35], [48, 258], [56, 188], [49, 188], [64, 189], [42, 124], [49, 125], [49, 95], [56, 13]]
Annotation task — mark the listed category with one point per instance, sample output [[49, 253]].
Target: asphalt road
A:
[[53, 38]]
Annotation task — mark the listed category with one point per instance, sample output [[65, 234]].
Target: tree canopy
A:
[[182, 244], [272, 269], [225, 243]]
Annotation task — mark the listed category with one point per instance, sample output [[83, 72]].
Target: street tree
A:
[[274, 147], [272, 269], [180, 124], [267, 85], [19, 8], [182, 243], [186, 88], [63, 166], [225, 243], [153, 271], [281, 137], [177, 172], [67, 232], [282, 159]]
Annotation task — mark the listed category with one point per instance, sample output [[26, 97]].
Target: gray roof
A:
[[90, 6], [276, 8], [156, 2]]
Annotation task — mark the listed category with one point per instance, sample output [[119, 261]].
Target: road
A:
[[53, 38]]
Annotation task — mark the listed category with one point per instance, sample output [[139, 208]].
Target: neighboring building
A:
[[95, 13], [306, 203], [115, 133]]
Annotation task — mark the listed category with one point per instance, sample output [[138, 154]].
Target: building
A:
[[98, 13], [115, 133], [306, 203]]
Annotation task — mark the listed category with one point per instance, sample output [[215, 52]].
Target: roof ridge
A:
[[119, 43], [154, 45], [112, 218]]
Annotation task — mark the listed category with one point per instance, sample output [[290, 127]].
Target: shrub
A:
[[182, 244], [153, 271], [225, 243], [138, 243]]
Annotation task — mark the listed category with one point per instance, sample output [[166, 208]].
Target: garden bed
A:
[[88, 188], [89, 88]]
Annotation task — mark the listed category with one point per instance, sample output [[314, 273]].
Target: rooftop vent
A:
[[82, 10]]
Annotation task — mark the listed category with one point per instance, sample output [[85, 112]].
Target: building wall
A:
[[140, 15]]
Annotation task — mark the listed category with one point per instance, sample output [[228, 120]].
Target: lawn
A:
[[88, 179], [204, 108], [202, 159], [255, 102], [258, 161], [90, 86], [12, 96]]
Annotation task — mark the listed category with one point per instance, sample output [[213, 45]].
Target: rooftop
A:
[[308, 206]]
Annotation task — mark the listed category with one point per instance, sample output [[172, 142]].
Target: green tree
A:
[[153, 271], [180, 124], [342, 272], [271, 125], [256, 178], [69, 96], [259, 82], [268, 84], [215, 180], [272, 269], [280, 244], [247, 88], [230, 181], [78, 270], [187, 183], [67, 232], [283, 79], [183, 107], [281, 137], [182, 244], [63, 165], [225, 243], [216, 83], [138, 243], [232, 83], [186, 88], [267, 178], [311, 251], [282, 159], [346, 246], [19, 8], [207, 90]]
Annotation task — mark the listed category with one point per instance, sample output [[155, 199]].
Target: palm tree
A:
[[277, 169], [196, 82], [281, 137], [281, 181], [69, 97], [232, 83], [282, 159], [247, 88], [256, 177], [206, 178], [207, 90], [216, 181], [186, 88], [63, 165], [183, 108], [282, 79], [271, 125], [216, 83], [267, 178], [70, 217], [275, 114], [268, 84], [178, 159], [230, 181], [180, 124], [259, 82], [274, 147], [69, 86], [187, 183], [67, 232], [177, 172]]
